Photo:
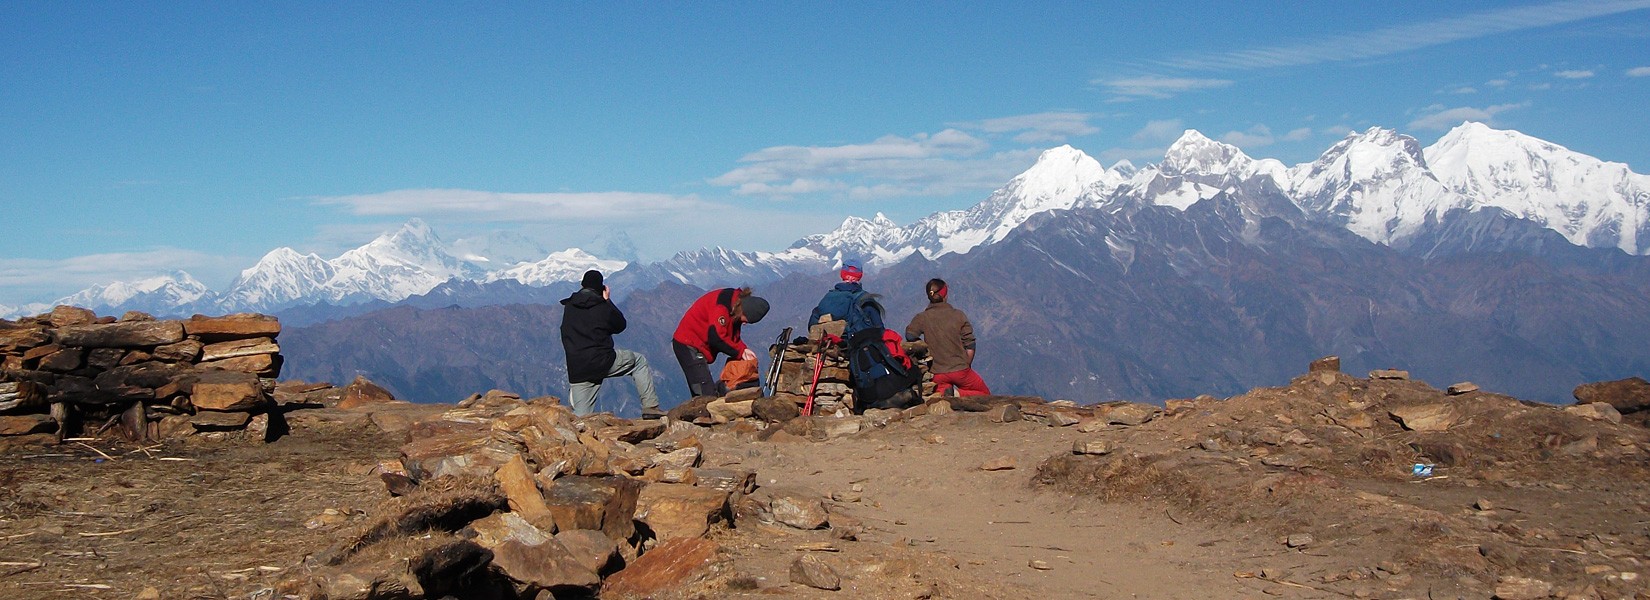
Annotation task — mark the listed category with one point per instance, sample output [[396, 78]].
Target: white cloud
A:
[[476, 205], [40, 280], [1296, 135], [1153, 86], [1404, 38], [1255, 137], [1574, 74], [1542, 86], [1160, 131], [1497, 83], [1039, 128], [1465, 89], [1441, 118], [947, 162], [1639, 72]]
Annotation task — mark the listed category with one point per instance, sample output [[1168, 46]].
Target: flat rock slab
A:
[[493, 530], [1389, 374], [239, 348], [672, 563], [1130, 414], [227, 390], [606, 504], [27, 424], [798, 508], [213, 419], [591, 548], [129, 334], [544, 566], [235, 326]]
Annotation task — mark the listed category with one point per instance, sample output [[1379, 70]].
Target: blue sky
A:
[[136, 137]]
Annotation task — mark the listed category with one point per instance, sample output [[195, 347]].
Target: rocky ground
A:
[[1301, 491]]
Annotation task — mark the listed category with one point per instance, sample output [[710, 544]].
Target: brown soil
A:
[[1197, 503]]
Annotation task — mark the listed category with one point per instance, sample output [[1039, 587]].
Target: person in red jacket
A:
[[710, 327]]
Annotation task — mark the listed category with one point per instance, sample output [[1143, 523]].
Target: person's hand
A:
[[607, 293], [748, 355]]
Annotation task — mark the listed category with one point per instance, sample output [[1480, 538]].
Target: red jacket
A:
[[709, 328]]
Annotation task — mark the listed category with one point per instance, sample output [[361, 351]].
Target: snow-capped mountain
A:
[[567, 265], [1379, 184], [160, 293], [1591, 202], [1375, 183]]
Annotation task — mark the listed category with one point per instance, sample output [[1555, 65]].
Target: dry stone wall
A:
[[71, 372]]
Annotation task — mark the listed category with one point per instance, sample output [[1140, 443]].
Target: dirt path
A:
[[922, 484]]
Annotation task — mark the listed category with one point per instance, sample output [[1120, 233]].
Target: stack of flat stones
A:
[[71, 372], [835, 391]]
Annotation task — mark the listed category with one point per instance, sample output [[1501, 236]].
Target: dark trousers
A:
[[697, 371]]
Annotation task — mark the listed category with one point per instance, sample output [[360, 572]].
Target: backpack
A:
[[859, 309], [880, 369]]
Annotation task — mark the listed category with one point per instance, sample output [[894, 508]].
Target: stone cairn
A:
[[836, 390], [72, 373]]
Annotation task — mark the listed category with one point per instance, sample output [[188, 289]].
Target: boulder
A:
[[457, 454], [723, 411], [812, 571], [675, 510], [543, 566], [1465, 387], [362, 392], [1425, 417], [493, 530], [63, 360], [591, 548], [1095, 447], [230, 327], [607, 504], [1002, 413], [516, 480], [1128, 413], [130, 334], [1330, 364], [1627, 395], [691, 410], [776, 409], [798, 508], [670, 564], [685, 458], [1597, 411], [1001, 463], [138, 381], [227, 390]]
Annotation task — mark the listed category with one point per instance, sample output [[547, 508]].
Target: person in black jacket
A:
[[588, 323]]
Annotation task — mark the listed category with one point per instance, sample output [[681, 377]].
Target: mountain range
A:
[[1210, 270]]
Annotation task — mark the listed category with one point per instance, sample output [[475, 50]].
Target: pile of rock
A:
[[70, 372], [835, 391], [521, 499]]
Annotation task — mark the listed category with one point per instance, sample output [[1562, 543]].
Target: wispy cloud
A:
[[1153, 86], [1404, 38], [40, 279], [1040, 128], [1639, 72], [476, 205], [1160, 131], [938, 164], [1439, 117], [1254, 137], [1574, 74]]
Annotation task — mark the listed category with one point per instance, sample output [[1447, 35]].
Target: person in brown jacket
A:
[[950, 340]]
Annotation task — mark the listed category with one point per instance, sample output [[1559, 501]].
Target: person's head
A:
[[851, 273], [748, 308], [592, 280], [937, 290]]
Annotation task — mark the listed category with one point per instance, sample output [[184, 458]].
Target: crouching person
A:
[[589, 322]]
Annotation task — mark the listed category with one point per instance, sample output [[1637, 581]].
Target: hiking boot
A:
[[651, 413]]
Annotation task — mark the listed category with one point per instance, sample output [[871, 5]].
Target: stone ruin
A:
[[72, 373]]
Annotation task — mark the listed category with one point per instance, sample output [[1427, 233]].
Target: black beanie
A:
[[755, 308], [592, 280]]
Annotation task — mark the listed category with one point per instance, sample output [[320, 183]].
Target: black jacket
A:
[[588, 323]]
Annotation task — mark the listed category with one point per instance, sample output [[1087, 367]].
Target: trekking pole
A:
[[777, 356], [819, 365]]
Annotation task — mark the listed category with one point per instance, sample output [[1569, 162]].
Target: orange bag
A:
[[736, 372]]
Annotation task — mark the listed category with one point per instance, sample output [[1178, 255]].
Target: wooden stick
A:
[[100, 452]]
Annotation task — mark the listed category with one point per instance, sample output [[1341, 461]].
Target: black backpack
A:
[[879, 377]]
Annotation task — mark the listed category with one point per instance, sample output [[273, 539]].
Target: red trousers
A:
[[967, 381]]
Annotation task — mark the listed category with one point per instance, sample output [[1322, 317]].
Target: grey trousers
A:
[[583, 395]]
